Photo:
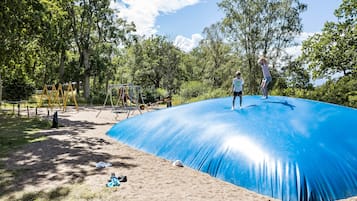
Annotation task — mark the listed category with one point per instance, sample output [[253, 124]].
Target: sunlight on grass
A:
[[16, 132], [59, 193], [68, 192], [43, 138]]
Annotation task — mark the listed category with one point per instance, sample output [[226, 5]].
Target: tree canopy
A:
[[83, 41]]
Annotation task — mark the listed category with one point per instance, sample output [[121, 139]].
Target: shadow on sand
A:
[[62, 157]]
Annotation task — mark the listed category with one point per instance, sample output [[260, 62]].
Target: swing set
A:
[[124, 98], [57, 96]]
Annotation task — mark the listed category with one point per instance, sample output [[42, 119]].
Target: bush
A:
[[196, 91], [192, 89], [17, 88], [342, 91]]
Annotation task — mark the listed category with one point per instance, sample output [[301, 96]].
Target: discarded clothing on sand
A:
[[113, 182], [102, 164]]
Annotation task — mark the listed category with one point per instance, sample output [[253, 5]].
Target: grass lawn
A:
[[14, 132]]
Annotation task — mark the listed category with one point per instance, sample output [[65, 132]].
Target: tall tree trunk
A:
[[78, 86], [86, 86], [0, 89], [61, 66]]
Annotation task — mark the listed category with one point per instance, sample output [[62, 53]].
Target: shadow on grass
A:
[[54, 159], [59, 193]]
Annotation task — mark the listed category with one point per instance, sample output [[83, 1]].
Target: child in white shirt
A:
[[237, 88]]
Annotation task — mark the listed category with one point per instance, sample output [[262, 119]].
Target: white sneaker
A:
[[232, 108], [264, 97], [240, 107]]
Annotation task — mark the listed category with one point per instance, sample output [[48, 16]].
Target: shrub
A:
[[17, 88]]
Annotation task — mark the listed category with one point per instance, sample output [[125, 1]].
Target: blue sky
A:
[[184, 20]]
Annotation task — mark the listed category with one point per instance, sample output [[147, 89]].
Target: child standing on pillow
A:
[[237, 88]]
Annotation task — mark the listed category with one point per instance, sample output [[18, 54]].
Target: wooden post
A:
[[28, 112], [18, 109]]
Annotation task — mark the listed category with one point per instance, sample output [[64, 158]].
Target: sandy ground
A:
[[70, 154]]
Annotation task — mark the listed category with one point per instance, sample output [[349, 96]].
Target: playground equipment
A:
[[124, 98], [58, 96]]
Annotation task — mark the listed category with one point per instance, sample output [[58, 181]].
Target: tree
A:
[[332, 55], [297, 75], [334, 51], [93, 22], [216, 56], [155, 63], [261, 27], [21, 27]]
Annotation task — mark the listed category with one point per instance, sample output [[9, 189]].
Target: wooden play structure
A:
[[124, 98], [58, 96]]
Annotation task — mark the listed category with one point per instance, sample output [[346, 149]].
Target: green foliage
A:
[[49, 42], [334, 52], [291, 92], [192, 89], [97, 98], [17, 88], [260, 27], [152, 95], [335, 49], [342, 92], [211, 93], [162, 92], [155, 63], [217, 63], [297, 76]]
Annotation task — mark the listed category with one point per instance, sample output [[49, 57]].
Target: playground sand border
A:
[[68, 160]]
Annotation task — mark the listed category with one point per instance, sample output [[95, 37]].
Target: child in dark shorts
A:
[[237, 88]]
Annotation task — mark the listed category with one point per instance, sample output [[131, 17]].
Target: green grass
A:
[[14, 133], [73, 192], [54, 194]]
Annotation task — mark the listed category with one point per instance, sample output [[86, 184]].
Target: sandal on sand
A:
[[122, 179]]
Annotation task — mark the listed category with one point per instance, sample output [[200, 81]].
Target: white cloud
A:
[[144, 12], [295, 51], [187, 44], [304, 35]]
